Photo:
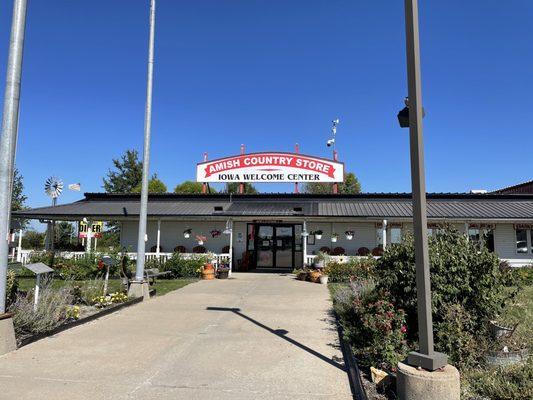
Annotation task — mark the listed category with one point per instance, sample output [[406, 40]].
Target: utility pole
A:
[[426, 357], [141, 239], [8, 139]]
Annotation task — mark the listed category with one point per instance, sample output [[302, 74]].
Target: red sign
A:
[[270, 167]]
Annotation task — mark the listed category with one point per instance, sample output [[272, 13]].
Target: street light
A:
[[425, 357]]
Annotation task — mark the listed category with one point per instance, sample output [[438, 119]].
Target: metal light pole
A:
[[426, 357], [139, 273], [9, 135]]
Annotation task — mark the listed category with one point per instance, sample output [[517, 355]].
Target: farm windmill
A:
[[53, 188]]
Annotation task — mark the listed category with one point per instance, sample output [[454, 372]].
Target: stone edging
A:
[[350, 363], [68, 325], [5, 316]]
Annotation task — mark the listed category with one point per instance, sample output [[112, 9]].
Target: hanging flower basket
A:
[[187, 233], [334, 238], [318, 234], [349, 235]]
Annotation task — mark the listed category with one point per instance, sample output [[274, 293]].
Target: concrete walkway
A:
[[258, 336]]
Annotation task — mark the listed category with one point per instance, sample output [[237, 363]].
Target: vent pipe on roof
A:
[[478, 191]]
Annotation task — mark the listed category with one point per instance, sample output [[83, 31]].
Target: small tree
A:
[[233, 187], [190, 187], [18, 199], [350, 185], [127, 173], [155, 185], [63, 232], [33, 240]]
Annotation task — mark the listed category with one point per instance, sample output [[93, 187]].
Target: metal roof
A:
[[366, 205]]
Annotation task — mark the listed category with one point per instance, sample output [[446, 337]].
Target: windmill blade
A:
[[53, 187]]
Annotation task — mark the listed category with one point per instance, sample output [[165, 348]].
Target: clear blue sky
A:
[[269, 74]]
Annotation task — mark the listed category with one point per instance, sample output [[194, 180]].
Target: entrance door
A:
[[276, 245]]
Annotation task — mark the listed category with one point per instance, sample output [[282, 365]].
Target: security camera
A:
[[330, 142]]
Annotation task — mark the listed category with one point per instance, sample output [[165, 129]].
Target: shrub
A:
[[11, 287], [353, 269], [513, 382], [462, 275], [375, 329], [51, 310], [182, 267]]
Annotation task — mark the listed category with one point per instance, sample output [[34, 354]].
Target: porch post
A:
[[304, 244], [231, 248], [19, 247], [158, 243], [89, 232], [384, 227]]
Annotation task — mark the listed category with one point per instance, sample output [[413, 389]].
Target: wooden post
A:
[[241, 185], [204, 185], [297, 151], [335, 185]]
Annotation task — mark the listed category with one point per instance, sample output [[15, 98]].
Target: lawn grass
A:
[[162, 286]]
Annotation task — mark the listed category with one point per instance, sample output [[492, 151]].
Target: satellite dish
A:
[[53, 187]]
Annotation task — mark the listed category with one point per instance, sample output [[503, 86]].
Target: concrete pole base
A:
[[139, 289], [8, 342], [419, 384]]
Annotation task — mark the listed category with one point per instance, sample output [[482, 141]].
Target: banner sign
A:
[[270, 167], [96, 229]]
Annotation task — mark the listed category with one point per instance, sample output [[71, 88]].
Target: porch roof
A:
[[365, 205]]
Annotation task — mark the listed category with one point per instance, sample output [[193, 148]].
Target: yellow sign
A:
[[96, 229]]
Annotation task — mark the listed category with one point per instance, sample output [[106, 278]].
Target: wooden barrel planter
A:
[[208, 272]]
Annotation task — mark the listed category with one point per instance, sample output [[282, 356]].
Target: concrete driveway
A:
[[257, 336]]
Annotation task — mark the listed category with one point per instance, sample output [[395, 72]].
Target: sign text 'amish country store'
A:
[[270, 167]]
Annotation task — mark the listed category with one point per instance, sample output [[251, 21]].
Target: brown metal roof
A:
[[367, 205]]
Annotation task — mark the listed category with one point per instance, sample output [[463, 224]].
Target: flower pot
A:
[[302, 276], [208, 274], [319, 264], [334, 239], [499, 331], [314, 276], [349, 237], [186, 235], [324, 279], [318, 236]]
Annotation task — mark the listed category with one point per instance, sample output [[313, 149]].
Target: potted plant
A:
[[324, 278], [223, 272], [320, 260], [187, 233], [334, 237], [349, 235], [318, 234], [301, 274]]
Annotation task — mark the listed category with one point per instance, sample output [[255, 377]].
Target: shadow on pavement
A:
[[282, 333]]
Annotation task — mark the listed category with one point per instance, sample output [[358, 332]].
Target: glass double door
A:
[[276, 246]]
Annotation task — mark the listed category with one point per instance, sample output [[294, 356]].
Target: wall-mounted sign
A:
[[270, 167], [96, 229]]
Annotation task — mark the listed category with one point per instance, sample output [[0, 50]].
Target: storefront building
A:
[[270, 232]]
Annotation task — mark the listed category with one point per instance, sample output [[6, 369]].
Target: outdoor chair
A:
[[199, 249], [338, 251], [363, 251], [326, 250], [377, 251]]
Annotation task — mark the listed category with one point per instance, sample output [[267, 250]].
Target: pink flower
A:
[[403, 329]]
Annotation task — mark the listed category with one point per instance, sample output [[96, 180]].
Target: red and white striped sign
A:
[[270, 167]]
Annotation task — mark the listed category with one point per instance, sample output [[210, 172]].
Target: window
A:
[[395, 235], [474, 236], [521, 241]]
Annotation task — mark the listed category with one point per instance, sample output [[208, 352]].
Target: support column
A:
[[19, 247], [384, 228], [304, 243], [204, 185], [158, 243], [241, 185], [230, 247], [89, 234]]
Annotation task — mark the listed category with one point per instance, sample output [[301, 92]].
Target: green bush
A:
[[352, 269], [461, 275], [11, 287], [182, 267]]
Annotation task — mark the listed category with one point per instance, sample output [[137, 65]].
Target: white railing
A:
[[218, 259], [310, 258]]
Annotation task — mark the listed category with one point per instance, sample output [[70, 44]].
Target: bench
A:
[[152, 273]]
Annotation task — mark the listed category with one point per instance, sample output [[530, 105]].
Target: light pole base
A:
[[139, 289], [418, 384], [8, 342], [430, 362]]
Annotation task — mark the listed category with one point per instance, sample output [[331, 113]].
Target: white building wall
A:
[[505, 243]]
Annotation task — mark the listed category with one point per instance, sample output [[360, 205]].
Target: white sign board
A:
[[270, 167], [39, 268]]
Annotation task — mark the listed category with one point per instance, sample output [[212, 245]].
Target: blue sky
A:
[[270, 74]]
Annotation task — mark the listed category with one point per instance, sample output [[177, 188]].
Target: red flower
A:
[[100, 264], [403, 329]]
